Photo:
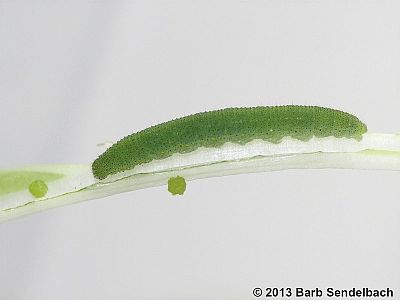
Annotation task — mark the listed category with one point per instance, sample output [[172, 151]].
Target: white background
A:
[[73, 74]]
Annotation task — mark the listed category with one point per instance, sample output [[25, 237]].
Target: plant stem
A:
[[363, 160]]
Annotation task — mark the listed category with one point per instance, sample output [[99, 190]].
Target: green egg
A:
[[38, 188], [177, 185]]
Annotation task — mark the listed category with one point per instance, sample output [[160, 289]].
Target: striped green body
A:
[[214, 128]]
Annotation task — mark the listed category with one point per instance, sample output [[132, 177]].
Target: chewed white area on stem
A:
[[230, 151]]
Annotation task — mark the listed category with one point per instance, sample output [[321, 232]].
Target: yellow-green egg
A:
[[177, 185], [38, 188]]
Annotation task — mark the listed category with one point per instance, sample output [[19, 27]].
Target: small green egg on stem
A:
[[177, 185], [38, 188]]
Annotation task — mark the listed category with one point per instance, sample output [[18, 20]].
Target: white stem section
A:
[[231, 151], [373, 152], [365, 160]]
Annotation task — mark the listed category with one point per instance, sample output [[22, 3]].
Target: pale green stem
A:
[[365, 160]]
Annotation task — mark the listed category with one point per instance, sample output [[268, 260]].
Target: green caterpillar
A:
[[214, 128]]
